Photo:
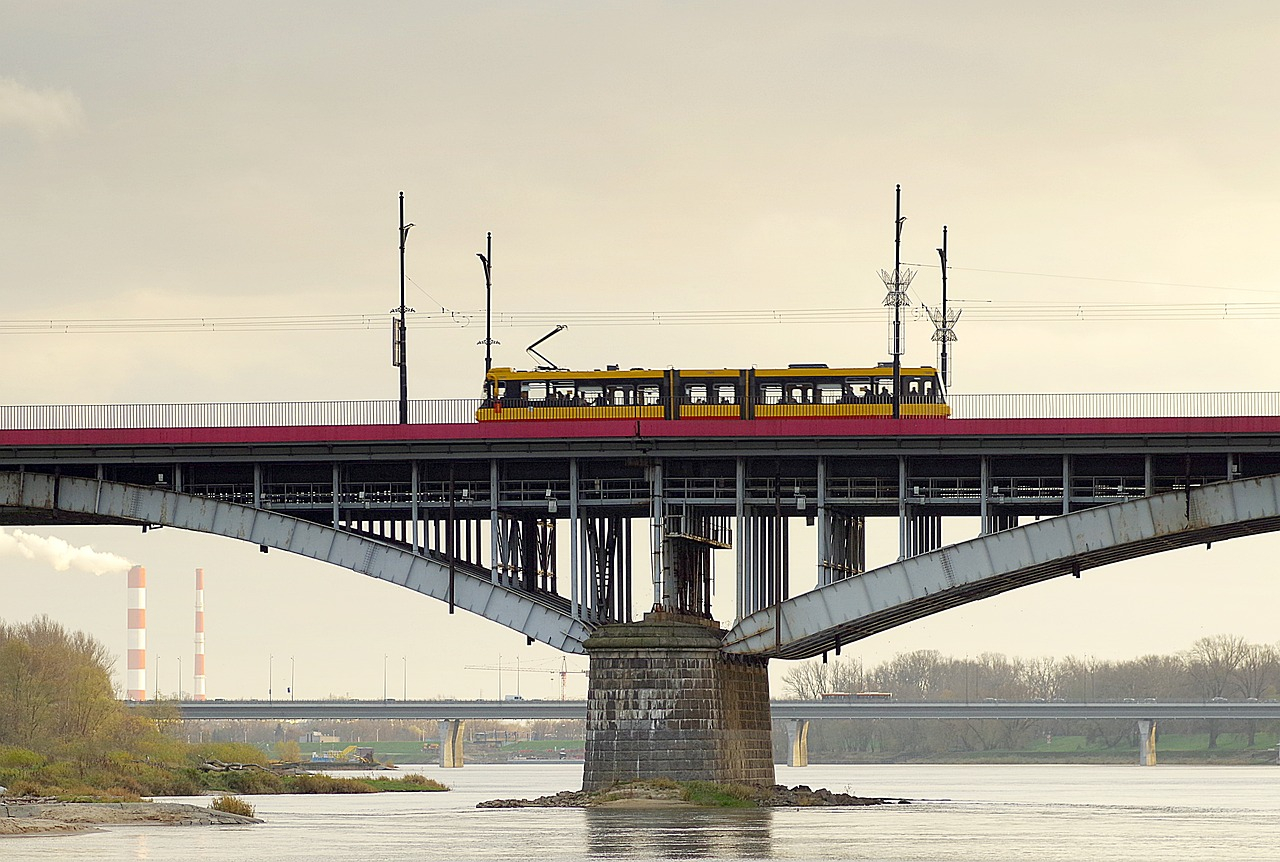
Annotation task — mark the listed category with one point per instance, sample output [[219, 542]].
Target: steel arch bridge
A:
[[807, 625]]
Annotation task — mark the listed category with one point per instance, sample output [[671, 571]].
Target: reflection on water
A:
[[678, 833]]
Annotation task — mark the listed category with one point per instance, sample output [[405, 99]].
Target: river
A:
[[987, 813]]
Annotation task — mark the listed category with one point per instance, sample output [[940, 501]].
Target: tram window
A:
[[649, 394], [695, 393], [562, 389], [535, 390], [858, 388], [830, 393], [884, 387], [500, 390], [591, 393], [620, 396], [799, 393], [771, 393], [726, 393]]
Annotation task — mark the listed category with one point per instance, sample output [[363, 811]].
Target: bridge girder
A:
[[35, 498], [866, 604]]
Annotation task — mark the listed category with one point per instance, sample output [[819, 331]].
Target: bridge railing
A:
[[463, 410]]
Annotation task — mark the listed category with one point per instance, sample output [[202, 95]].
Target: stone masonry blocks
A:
[[665, 702]]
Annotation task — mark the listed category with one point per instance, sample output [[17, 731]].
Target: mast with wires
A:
[[944, 320], [896, 285], [398, 338]]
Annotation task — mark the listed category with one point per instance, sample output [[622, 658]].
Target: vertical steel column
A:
[[1148, 477], [741, 538], [414, 514], [982, 499], [824, 531], [904, 528], [575, 542], [257, 486], [1066, 484], [337, 489], [655, 531], [177, 480], [493, 517]]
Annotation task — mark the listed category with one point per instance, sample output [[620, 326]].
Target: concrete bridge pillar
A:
[[664, 701], [451, 743], [798, 742], [1146, 742]]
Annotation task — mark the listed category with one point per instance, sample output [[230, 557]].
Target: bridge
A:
[[451, 715], [475, 514]]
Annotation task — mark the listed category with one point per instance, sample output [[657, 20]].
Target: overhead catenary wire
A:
[[983, 311]]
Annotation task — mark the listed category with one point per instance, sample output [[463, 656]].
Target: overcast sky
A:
[[238, 160]]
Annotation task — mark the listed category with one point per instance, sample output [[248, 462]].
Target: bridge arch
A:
[[28, 498], [874, 601]]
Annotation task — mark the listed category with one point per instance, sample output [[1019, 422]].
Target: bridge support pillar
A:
[[451, 743], [1146, 742], [798, 742], [664, 701]]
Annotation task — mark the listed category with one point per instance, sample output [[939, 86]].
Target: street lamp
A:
[[485, 261], [271, 665], [398, 343], [384, 677], [291, 694], [404, 694]]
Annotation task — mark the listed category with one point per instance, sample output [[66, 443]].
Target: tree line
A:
[[1219, 667]]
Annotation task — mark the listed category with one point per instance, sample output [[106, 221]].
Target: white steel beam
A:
[[857, 607], [115, 502]]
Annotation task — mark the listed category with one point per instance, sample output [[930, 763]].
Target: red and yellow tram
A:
[[727, 393]]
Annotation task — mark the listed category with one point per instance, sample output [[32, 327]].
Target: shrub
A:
[[12, 757], [311, 783], [232, 805]]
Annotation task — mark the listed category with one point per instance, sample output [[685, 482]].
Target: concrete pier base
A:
[[1146, 742], [664, 702], [798, 742], [451, 743]]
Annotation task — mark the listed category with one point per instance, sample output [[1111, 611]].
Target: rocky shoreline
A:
[[47, 818], [644, 794]]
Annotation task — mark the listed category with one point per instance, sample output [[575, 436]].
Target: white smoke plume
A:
[[60, 554]]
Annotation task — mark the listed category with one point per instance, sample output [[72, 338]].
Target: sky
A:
[[240, 163]]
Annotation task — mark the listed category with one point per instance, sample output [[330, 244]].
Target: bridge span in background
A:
[[427, 710]]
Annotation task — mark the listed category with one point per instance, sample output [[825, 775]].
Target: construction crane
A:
[[564, 672]]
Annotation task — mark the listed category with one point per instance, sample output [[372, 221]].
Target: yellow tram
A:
[[727, 393]]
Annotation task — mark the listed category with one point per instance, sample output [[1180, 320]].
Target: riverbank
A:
[[51, 818]]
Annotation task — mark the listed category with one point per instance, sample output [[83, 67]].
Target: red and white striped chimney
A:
[[136, 676], [199, 690]]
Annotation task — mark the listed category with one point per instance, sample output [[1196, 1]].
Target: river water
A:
[[987, 813]]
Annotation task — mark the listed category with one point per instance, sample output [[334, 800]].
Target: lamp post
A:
[[179, 677], [271, 664], [384, 677], [399, 352], [291, 668], [485, 261], [404, 693]]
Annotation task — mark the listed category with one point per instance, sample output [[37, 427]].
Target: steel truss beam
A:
[[538, 616], [860, 606]]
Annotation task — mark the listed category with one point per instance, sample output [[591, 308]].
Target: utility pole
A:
[[398, 353], [486, 260], [896, 284], [944, 322]]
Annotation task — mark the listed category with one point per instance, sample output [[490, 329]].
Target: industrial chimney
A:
[[199, 691], [136, 676]]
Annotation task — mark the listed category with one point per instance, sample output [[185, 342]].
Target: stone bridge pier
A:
[[664, 701]]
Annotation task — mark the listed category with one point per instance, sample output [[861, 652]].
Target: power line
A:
[[978, 312]]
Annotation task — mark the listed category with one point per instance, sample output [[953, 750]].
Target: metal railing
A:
[[463, 410]]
